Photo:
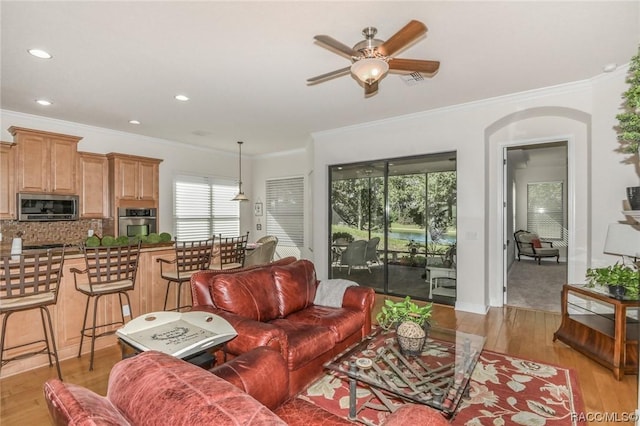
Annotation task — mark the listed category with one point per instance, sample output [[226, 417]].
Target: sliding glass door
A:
[[393, 225]]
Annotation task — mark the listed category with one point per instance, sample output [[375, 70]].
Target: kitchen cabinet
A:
[[93, 185], [45, 161], [601, 327], [133, 178], [7, 190]]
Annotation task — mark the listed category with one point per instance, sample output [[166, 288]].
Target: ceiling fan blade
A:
[[336, 45], [413, 65], [406, 35], [333, 74], [371, 89]]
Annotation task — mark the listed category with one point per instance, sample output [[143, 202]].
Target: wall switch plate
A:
[[126, 311], [259, 227]]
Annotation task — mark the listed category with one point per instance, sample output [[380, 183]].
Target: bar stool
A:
[[31, 281], [232, 252], [109, 271], [191, 257]]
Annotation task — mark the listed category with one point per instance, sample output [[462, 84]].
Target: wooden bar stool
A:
[[109, 271], [31, 281], [191, 257]]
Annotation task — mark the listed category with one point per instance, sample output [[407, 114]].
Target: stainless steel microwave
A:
[[47, 207]]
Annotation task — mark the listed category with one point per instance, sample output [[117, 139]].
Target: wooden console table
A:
[[601, 327]]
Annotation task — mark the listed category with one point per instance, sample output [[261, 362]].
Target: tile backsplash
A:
[[70, 232]]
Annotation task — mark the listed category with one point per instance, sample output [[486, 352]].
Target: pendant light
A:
[[240, 195]]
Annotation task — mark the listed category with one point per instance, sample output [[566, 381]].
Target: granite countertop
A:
[[71, 248]]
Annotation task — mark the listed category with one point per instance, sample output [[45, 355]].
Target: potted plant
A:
[[629, 125], [622, 280], [410, 320]]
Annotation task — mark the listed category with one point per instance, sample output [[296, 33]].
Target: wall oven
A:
[[133, 222]]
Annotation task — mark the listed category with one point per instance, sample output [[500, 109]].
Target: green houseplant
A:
[[394, 313], [617, 276], [629, 125], [411, 322]]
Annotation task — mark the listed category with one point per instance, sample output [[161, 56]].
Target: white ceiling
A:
[[245, 64]]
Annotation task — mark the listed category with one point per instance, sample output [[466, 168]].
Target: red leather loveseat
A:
[[157, 389], [273, 306]]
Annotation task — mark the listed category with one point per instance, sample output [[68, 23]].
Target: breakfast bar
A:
[[147, 296]]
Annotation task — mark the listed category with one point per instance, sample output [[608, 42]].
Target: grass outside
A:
[[395, 244]]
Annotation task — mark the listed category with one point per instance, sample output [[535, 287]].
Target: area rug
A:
[[503, 391]]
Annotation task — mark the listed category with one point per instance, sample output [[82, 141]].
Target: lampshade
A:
[[622, 239], [240, 195], [369, 70]]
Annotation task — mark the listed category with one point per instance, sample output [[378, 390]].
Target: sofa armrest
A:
[[72, 404], [251, 333], [252, 370], [360, 298]]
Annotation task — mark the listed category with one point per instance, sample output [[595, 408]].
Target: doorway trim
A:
[[551, 123], [570, 185]]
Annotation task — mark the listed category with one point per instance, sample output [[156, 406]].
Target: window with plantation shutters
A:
[[203, 208], [545, 209], [285, 210]]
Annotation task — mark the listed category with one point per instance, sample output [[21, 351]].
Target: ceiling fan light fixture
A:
[[369, 70]]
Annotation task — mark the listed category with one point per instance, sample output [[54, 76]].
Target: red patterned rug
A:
[[503, 391]]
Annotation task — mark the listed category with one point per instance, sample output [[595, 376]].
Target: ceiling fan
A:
[[372, 58]]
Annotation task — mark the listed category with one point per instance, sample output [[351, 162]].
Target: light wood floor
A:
[[518, 332]]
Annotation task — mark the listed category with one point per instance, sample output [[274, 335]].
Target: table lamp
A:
[[624, 240]]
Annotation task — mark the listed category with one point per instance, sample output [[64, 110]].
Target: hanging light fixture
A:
[[240, 195]]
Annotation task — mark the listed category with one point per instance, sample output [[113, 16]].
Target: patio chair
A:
[[529, 244], [372, 250], [355, 255]]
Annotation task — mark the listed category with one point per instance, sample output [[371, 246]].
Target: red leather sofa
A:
[[157, 389], [273, 306]]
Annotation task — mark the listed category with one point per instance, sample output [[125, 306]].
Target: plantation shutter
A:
[[545, 209], [203, 208], [285, 210]]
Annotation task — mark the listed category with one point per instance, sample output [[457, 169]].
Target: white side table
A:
[[433, 273]]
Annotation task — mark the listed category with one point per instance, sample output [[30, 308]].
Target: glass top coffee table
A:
[[438, 377]]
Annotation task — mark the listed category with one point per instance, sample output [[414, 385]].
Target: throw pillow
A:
[[536, 243]]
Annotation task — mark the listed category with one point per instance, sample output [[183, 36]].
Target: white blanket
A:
[[331, 292]]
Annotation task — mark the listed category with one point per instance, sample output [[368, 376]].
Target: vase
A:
[[617, 291], [633, 196], [411, 337]]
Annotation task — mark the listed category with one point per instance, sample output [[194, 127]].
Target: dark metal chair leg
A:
[[46, 336], [93, 330], [4, 333], [84, 325], [53, 341]]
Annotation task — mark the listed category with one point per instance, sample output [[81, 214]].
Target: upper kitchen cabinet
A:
[[133, 180], [45, 161], [93, 185], [7, 191]]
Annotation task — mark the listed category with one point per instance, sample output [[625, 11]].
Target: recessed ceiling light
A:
[[610, 67], [39, 53], [134, 122], [182, 98], [43, 102]]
